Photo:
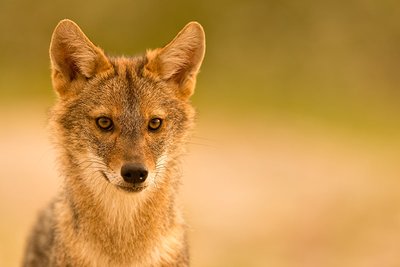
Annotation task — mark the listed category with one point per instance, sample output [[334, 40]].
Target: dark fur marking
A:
[[75, 214], [140, 66]]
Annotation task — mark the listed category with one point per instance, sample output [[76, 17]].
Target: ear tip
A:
[[195, 26], [64, 29], [196, 29], [65, 24]]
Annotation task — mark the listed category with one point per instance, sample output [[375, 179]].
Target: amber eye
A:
[[155, 124], [105, 123]]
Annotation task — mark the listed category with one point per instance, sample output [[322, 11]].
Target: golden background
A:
[[296, 156]]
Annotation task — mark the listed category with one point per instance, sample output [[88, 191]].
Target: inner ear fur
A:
[[179, 61], [73, 56]]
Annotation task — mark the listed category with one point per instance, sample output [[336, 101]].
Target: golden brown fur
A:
[[98, 218]]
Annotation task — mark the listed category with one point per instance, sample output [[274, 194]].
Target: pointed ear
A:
[[73, 56], [180, 60]]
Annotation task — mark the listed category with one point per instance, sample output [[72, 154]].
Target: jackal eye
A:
[[104, 123], [155, 124]]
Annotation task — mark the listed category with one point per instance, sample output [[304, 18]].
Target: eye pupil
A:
[[104, 123], [155, 124]]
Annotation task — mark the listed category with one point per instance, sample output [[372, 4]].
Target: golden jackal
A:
[[120, 124]]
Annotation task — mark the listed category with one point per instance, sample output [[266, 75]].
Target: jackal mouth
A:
[[131, 189]]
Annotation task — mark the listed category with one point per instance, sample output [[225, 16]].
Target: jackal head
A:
[[122, 120]]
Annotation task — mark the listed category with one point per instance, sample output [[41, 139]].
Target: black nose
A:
[[134, 173]]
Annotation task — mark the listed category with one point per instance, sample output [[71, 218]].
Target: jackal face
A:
[[122, 120]]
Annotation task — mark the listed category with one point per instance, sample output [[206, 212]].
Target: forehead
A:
[[126, 90]]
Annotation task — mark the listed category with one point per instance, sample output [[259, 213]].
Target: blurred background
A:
[[295, 160]]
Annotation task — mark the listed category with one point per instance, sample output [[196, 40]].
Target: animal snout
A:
[[134, 173]]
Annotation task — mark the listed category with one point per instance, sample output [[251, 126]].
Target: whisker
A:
[[200, 144], [200, 137]]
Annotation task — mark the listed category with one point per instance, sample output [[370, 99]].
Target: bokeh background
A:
[[295, 160]]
